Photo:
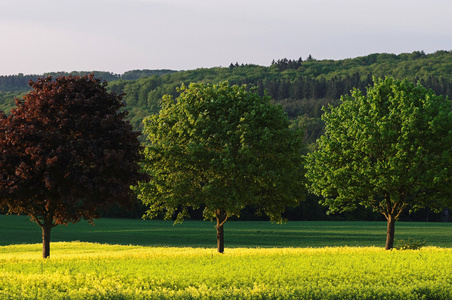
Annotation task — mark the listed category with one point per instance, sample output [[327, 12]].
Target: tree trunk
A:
[[46, 228], [390, 232], [221, 218]]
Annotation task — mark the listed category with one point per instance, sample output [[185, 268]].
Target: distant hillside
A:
[[20, 82], [12, 86], [302, 87], [136, 74]]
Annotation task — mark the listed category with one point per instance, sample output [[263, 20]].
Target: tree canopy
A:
[[221, 147], [389, 149], [67, 150]]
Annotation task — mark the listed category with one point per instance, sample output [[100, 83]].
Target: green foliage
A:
[[136, 74], [8, 100], [302, 87], [312, 128], [392, 143], [409, 244], [221, 147], [15, 83], [388, 149]]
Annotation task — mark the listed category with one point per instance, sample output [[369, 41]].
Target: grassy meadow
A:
[[136, 259], [19, 230]]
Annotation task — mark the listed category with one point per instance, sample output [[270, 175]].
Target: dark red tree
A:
[[66, 151]]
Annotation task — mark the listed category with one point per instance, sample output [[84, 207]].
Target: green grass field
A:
[[136, 259], [19, 230]]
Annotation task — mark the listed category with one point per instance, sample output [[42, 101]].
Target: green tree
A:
[[221, 147], [389, 150]]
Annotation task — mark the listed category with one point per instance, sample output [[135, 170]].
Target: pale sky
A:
[[122, 35]]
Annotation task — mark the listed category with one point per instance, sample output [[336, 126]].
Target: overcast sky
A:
[[121, 35]]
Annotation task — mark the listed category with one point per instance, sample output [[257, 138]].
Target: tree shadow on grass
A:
[[157, 233]]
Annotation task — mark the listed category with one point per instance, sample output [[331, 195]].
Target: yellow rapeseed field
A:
[[97, 271]]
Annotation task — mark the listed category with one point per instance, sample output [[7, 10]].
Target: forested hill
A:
[[302, 87], [18, 85]]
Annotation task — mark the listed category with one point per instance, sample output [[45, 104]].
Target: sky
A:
[[121, 35]]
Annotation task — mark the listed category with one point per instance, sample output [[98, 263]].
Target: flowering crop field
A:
[[79, 270]]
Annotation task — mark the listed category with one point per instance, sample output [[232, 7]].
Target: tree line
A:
[[433, 68], [297, 85], [20, 81], [67, 151], [301, 87]]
